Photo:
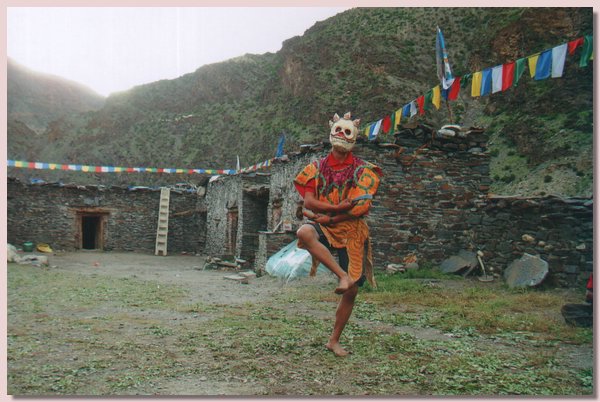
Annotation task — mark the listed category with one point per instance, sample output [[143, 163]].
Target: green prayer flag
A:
[[428, 97], [586, 52], [519, 69], [393, 126], [465, 80]]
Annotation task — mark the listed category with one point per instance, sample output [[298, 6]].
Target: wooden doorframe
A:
[[102, 216]]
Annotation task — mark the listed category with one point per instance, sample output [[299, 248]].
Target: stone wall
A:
[[49, 213], [432, 203], [284, 193], [560, 231], [237, 210], [255, 201], [223, 200], [425, 200]]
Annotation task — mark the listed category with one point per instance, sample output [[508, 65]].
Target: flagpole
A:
[[449, 112], [443, 67]]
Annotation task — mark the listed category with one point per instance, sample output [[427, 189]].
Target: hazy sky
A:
[[112, 49]]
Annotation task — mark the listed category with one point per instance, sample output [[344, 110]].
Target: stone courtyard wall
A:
[[432, 202], [47, 213], [559, 231]]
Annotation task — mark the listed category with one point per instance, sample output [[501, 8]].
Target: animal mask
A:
[[344, 132]]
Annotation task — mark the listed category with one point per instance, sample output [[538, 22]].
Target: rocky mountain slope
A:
[[37, 99], [370, 61]]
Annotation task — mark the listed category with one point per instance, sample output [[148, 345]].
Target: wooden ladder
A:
[[163, 222]]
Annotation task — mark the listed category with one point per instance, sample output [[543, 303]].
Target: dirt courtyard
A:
[[203, 285], [114, 323]]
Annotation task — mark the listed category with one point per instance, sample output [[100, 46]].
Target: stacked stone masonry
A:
[[433, 201], [47, 213]]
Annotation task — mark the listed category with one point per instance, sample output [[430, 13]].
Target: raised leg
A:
[[308, 238]]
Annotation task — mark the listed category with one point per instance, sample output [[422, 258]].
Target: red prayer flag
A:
[[421, 103], [574, 44], [454, 89], [387, 123], [508, 73]]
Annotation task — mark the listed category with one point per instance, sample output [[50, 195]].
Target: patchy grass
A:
[[70, 334]]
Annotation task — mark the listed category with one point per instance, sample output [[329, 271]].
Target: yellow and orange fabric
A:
[[333, 181]]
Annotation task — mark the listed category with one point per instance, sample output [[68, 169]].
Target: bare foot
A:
[[337, 349], [344, 284]]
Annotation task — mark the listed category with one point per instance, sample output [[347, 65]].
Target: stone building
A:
[[433, 202], [75, 217]]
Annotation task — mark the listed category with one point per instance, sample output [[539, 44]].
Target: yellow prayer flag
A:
[[397, 118], [532, 60], [52, 166], [476, 84], [436, 98], [367, 132]]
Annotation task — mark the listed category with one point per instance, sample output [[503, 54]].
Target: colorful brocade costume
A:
[[332, 184]]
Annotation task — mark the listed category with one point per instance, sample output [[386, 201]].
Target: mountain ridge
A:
[[370, 61]]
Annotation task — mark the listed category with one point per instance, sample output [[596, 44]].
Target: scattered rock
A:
[[456, 263], [34, 260], [528, 238], [578, 315], [412, 265], [453, 264], [228, 264], [13, 254], [392, 268], [239, 278], [529, 270]]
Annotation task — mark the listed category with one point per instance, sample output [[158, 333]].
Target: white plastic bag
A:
[[291, 262]]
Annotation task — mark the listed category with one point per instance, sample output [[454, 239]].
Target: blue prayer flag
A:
[[486, 81], [279, 152], [543, 67], [406, 110]]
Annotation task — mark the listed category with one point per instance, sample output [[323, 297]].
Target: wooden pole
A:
[[449, 112]]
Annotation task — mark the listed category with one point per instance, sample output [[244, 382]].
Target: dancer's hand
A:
[[345, 205], [323, 219]]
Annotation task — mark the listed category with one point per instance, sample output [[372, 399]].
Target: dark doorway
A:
[[256, 204], [90, 232], [90, 226], [232, 228]]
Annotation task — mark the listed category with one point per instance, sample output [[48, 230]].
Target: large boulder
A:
[[578, 315], [457, 263], [529, 270]]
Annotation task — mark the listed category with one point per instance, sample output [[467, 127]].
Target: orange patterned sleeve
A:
[[306, 179], [367, 183]]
